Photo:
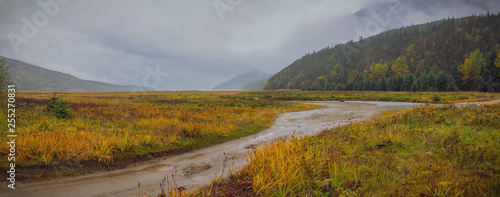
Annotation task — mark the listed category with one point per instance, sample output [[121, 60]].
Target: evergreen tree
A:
[[484, 81], [407, 82], [330, 86], [488, 78], [432, 80], [340, 87], [390, 84], [415, 86], [398, 82], [59, 107], [368, 85], [497, 61], [452, 87], [441, 81], [5, 80], [381, 85]]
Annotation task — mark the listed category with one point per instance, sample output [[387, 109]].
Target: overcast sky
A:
[[188, 44]]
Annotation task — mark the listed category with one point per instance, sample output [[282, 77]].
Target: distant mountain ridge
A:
[[28, 77], [254, 80]]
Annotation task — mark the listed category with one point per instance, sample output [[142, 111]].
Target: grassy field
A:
[[416, 97], [110, 130], [426, 151]]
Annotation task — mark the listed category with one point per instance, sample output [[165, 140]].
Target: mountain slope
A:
[[431, 52], [33, 78], [256, 85], [241, 81]]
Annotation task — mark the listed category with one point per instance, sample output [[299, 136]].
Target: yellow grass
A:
[[427, 151], [110, 126]]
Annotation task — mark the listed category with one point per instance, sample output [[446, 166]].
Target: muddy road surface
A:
[[199, 166]]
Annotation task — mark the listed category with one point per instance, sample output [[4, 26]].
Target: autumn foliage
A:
[[470, 69]]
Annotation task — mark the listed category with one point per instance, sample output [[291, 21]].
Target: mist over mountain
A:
[[246, 81], [121, 41], [29, 77]]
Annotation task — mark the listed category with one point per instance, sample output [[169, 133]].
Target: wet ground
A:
[[199, 166]]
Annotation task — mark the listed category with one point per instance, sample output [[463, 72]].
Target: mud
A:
[[200, 166]]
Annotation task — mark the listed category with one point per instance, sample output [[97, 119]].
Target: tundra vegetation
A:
[[72, 133], [76, 133], [425, 151]]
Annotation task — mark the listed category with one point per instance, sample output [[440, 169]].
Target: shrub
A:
[[438, 98]]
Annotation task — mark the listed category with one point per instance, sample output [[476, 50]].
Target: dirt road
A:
[[199, 166]]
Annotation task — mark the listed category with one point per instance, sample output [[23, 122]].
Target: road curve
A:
[[199, 166]]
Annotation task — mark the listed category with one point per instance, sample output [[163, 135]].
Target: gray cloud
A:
[[117, 41]]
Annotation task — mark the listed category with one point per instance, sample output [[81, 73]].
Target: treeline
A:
[[429, 81], [447, 55]]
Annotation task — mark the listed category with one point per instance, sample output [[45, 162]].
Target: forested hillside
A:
[[446, 55]]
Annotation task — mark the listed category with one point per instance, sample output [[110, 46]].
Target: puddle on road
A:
[[160, 168], [194, 156], [193, 168]]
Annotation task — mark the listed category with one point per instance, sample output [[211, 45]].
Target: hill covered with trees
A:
[[446, 55]]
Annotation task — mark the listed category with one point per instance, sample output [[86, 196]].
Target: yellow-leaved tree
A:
[[322, 81], [400, 67], [470, 69], [378, 71]]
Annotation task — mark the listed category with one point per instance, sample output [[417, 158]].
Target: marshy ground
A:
[[129, 134]]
